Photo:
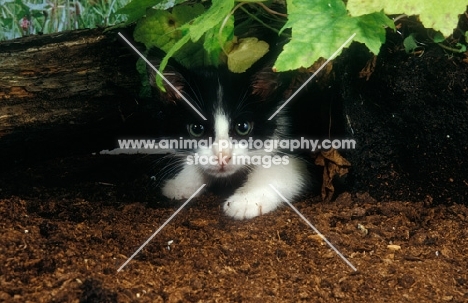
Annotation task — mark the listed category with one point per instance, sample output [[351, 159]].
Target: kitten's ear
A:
[[172, 74], [266, 83]]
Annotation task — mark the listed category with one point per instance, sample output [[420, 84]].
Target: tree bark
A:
[[81, 82]]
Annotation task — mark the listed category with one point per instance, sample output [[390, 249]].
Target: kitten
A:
[[237, 106]]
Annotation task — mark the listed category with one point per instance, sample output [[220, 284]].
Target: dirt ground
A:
[[68, 224]]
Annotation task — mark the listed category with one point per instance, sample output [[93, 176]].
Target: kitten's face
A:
[[237, 107], [224, 153]]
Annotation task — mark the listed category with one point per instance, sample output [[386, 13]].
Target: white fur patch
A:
[[184, 184], [221, 126], [256, 197]]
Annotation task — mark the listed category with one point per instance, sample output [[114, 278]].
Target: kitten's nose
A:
[[224, 157], [222, 152]]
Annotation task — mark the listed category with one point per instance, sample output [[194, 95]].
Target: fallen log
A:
[[52, 86]]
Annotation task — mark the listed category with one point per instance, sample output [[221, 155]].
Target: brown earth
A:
[[68, 224]]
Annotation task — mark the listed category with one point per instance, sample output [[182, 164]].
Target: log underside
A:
[[80, 82]]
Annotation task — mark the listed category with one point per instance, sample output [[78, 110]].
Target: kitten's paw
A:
[[184, 185], [246, 205], [174, 189]]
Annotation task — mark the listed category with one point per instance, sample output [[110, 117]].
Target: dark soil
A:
[[409, 120], [69, 220], [68, 224]]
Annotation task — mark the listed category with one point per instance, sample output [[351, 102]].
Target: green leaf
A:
[[207, 23], [246, 53], [320, 27], [216, 38], [439, 15], [438, 38], [410, 44], [156, 29], [370, 30], [160, 28], [461, 47], [215, 15], [136, 9], [178, 33], [314, 26], [178, 45]]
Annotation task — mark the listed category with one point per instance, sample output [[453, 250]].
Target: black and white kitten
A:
[[237, 106]]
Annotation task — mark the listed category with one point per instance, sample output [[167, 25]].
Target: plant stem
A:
[[259, 20], [451, 49]]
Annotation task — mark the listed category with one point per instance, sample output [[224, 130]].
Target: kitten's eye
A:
[[243, 128], [196, 130]]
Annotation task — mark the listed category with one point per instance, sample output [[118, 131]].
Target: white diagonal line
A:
[[162, 76], [160, 228], [313, 75], [315, 229]]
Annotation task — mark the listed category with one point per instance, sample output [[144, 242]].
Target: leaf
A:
[[215, 40], [312, 22], [461, 47], [178, 33], [178, 45], [192, 55], [439, 15], [438, 38], [410, 44], [333, 165], [156, 29], [246, 53], [320, 27], [136, 9], [211, 19], [214, 16], [160, 28], [371, 30], [369, 69]]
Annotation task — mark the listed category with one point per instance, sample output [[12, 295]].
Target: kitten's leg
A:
[[184, 184], [256, 197]]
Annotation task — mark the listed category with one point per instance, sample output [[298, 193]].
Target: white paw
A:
[[175, 189], [246, 205], [184, 185]]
